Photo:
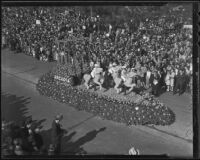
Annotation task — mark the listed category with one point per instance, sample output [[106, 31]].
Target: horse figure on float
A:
[[97, 75], [121, 77], [115, 71]]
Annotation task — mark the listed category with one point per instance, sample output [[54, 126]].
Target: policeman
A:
[[56, 133]]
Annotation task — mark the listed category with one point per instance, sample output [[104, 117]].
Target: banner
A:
[[187, 26]]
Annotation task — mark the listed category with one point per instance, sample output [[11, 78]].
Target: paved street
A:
[[92, 134]]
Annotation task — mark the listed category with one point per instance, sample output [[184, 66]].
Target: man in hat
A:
[[155, 83], [56, 133], [27, 134], [51, 150], [180, 83]]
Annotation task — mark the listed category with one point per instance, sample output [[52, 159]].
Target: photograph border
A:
[[196, 66]]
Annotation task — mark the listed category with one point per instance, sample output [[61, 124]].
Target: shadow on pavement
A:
[[14, 109], [73, 148], [76, 125]]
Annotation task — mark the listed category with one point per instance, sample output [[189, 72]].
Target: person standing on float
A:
[[97, 72]]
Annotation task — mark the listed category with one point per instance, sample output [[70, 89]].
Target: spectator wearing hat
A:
[[143, 74], [180, 82], [187, 75], [38, 139], [51, 150], [162, 72], [27, 134], [18, 150], [24, 128], [154, 83], [56, 133]]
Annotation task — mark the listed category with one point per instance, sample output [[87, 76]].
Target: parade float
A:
[[63, 83]]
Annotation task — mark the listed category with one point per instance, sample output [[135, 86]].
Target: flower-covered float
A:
[[134, 109]]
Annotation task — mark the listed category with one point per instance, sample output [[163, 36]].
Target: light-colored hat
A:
[[114, 64], [18, 150], [37, 130], [133, 151], [96, 65], [51, 147], [110, 65], [91, 63], [59, 117]]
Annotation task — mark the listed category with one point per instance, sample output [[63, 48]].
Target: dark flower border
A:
[[146, 111]]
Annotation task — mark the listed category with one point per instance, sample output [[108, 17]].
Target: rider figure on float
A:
[[124, 72], [97, 75], [97, 70], [114, 68]]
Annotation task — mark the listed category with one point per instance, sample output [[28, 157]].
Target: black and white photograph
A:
[[97, 79]]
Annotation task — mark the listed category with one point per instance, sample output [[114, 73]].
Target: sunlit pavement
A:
[[94, 135]]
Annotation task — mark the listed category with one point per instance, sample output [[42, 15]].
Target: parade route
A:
[[20, 73]]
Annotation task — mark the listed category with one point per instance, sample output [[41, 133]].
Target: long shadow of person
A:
[[46, 135], [76, 147]]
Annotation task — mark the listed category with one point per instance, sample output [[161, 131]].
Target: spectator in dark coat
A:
[[155, 84], [56, 134], [38, 139], [27, 135], [180, 83]]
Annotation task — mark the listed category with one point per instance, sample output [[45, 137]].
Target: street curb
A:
[[160, 133]]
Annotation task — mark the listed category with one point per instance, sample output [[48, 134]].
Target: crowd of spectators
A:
[[157, 45], [27, 138], [21, 139]]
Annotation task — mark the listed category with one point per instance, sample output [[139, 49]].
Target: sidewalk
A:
[[30, 69]]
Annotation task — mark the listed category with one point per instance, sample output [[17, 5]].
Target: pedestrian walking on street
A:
[[56, 134]]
